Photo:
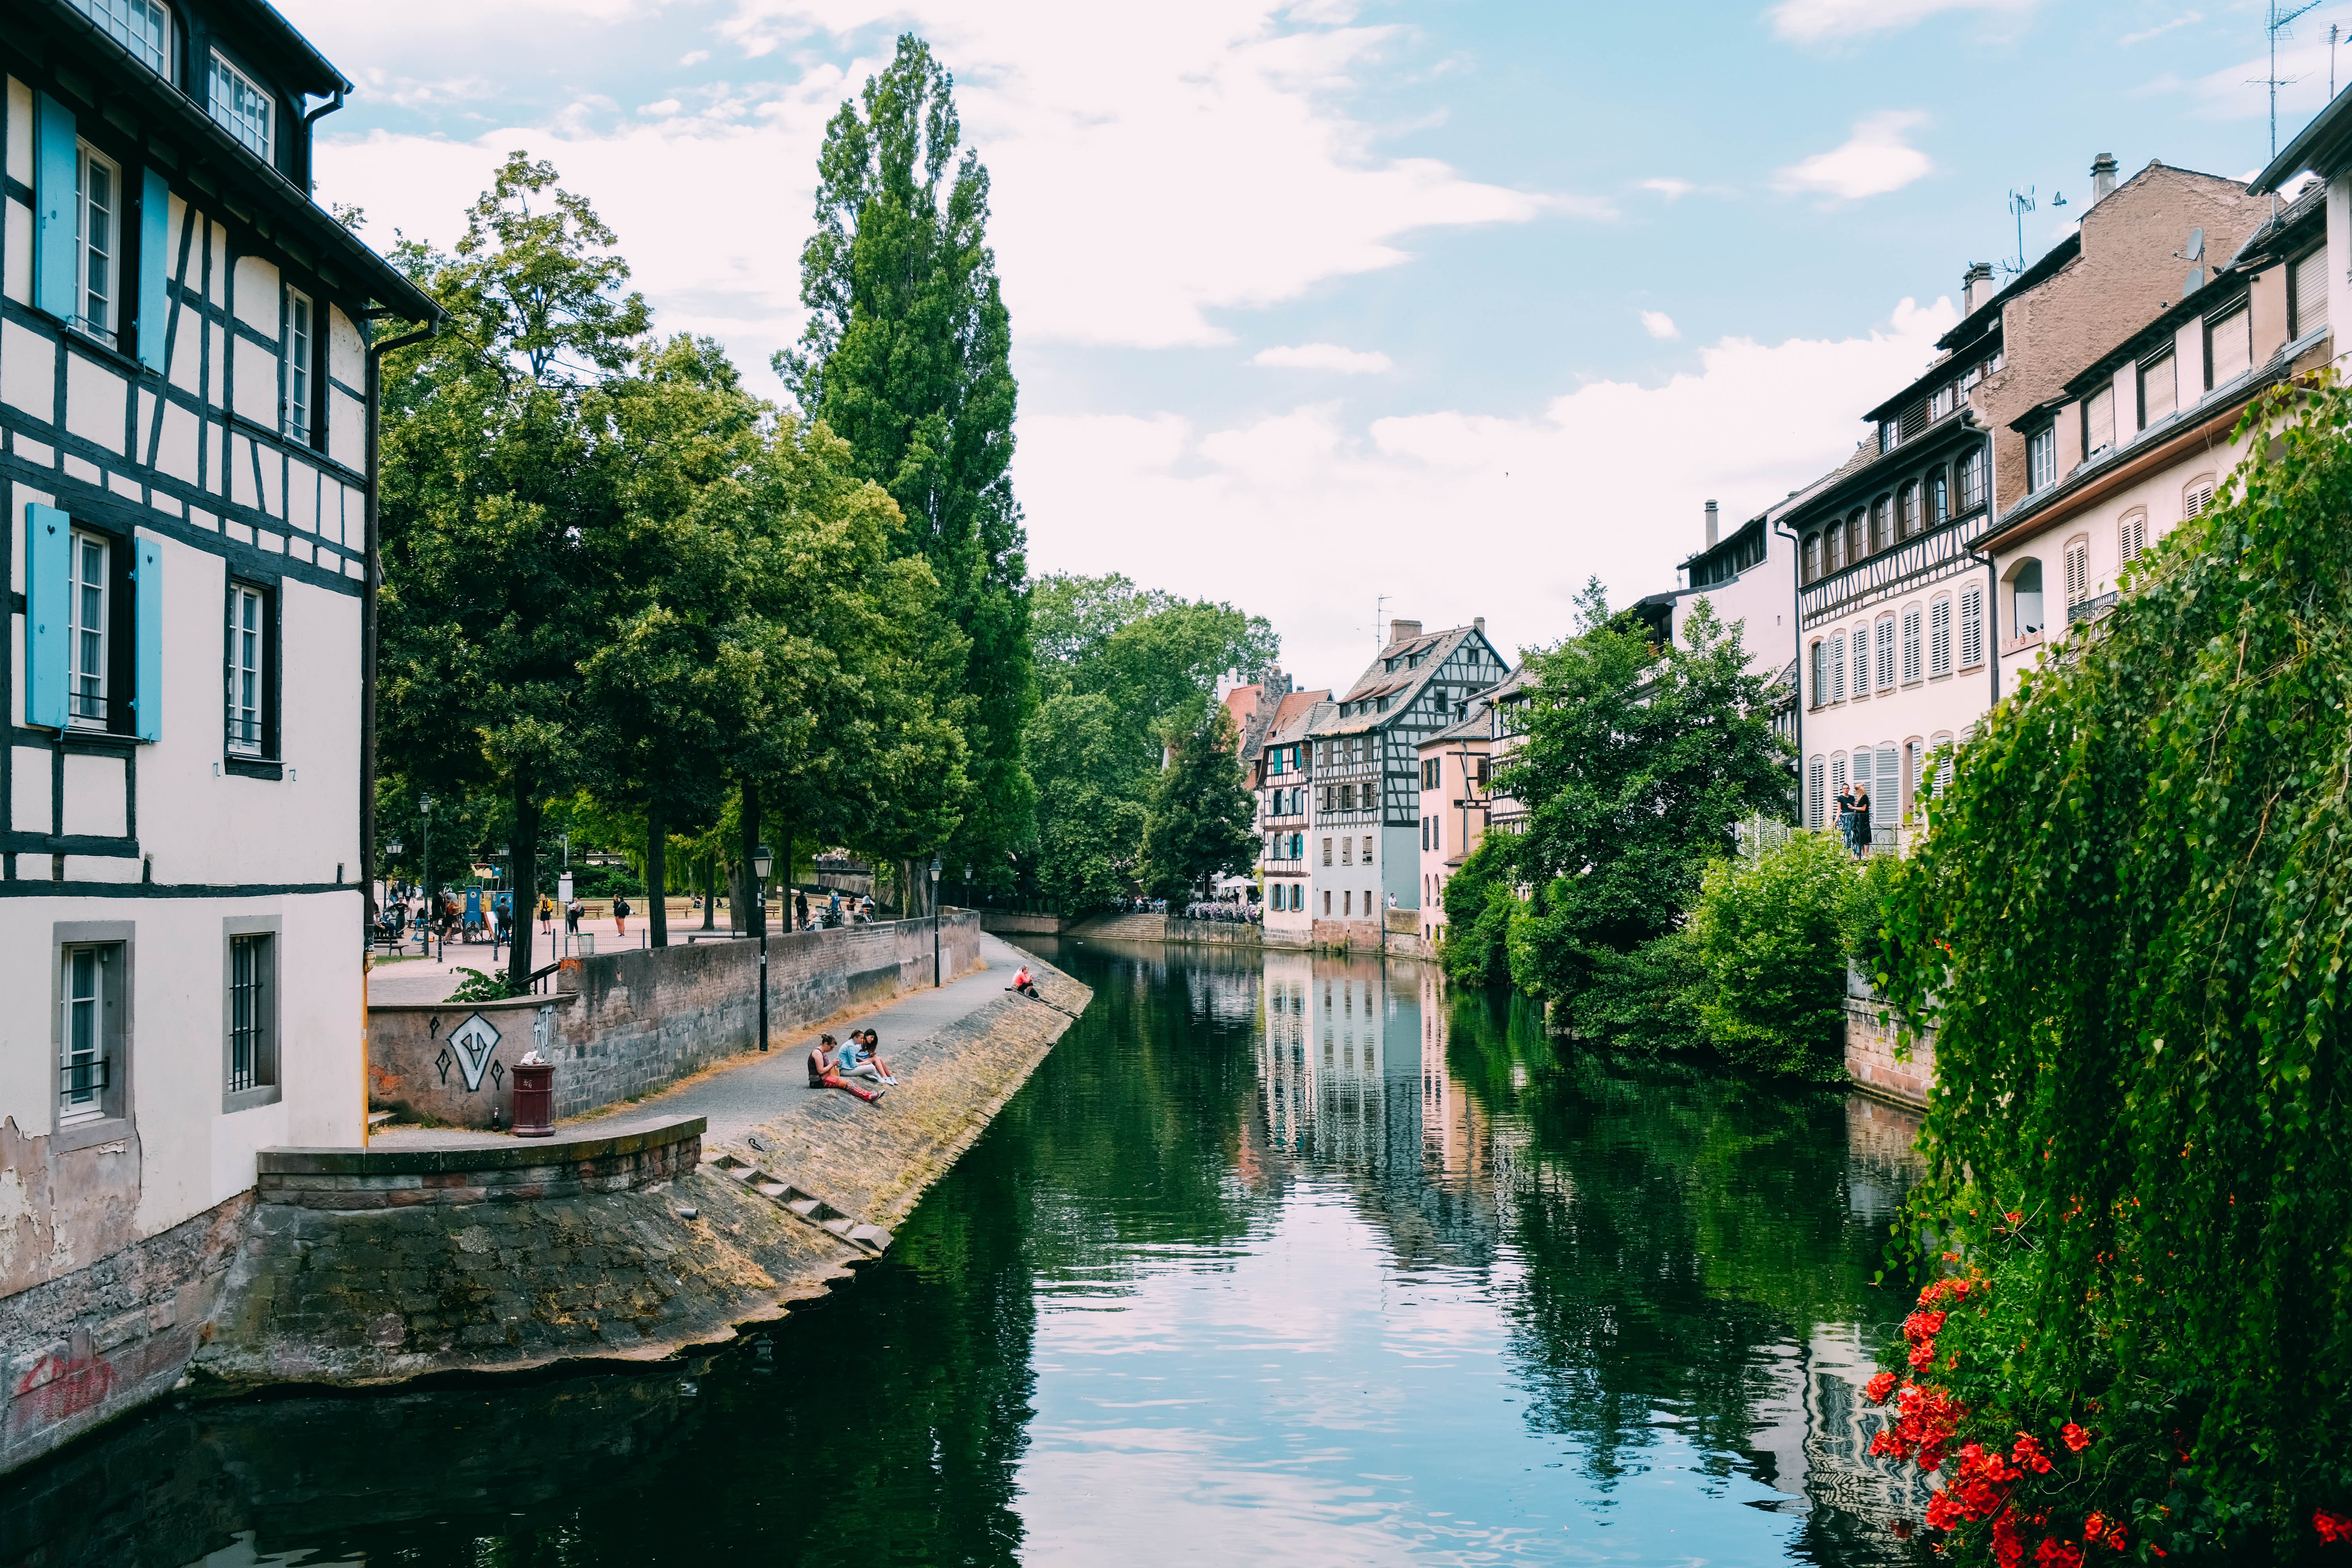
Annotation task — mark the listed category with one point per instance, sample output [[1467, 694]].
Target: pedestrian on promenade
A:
[[620, 915], [800, 909], [824, 1070], [546, 914], [571, 913]]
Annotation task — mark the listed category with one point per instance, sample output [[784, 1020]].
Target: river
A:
[[1284, 1260]]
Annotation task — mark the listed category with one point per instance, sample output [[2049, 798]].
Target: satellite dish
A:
[[2196, 251], [2193, 282]]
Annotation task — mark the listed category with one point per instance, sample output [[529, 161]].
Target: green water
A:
[[1281, 1261]]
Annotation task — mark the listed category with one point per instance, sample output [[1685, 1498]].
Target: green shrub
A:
[[1768, 932], [1648, 1001], [1479, 904]]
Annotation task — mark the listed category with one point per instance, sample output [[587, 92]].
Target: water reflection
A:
[[1295, 1260]]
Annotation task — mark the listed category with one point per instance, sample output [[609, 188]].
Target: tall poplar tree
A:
[[906, 359]]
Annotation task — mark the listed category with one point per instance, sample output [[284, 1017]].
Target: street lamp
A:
[[762, 864], [935, 922], [425, 875]]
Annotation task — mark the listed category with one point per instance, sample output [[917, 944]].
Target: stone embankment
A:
[[623, 1242]]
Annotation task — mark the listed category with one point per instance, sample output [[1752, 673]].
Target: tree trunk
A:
[[752, 915], [709, 893], [656, 875], [525, 849]]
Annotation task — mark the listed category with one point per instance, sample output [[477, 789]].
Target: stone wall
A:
[[1214, 934], [85, 1346], [625, 1024], [1123, 928], [1871, 1059], [1006, 922], [516, 1172]]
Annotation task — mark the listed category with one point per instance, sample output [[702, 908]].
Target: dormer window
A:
[[1946, 399], [240, 105], [2041, 458], [142, 26]]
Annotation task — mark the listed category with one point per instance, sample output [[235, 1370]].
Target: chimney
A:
[[1403, 631], [1479, 623], [2103, 177], [1710, 525], [1976, 286]]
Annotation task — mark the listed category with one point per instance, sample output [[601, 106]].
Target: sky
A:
[[1343, 308]]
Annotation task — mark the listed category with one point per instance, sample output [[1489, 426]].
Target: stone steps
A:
[[807, 1206]]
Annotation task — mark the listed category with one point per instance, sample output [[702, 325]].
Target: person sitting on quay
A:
[[825, 1071], [858, 1059], [1025, 985]]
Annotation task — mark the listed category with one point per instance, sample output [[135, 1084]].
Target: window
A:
[[1890, 435], [1837, 666], [98, 205], [1347, 797], [2042, 459], [2159, 389], [1327, 910], [91, 1014], [2306, 296], [2131, 537], [1486, 771], [248, 628], [1327, 852], [1910, 646], [1814, 804], [142, 26], [2099, 421], [1906, 512], [298, 366], [1862, 661], [1820, 657], [1943, 401], [2078, 572], [1347, 851], [1972, 626], [1939, 636], [1837, 774], [1298, 846], [2229, 348], [1429, 767], [1348, 901], [2196, 496], [1940, 747], [1879, 535], [252, 1015], [88, 609], [1939, 499], [240, 105], [1972, 481], [2027, 584], [1833, 542], [1885, 652], [1812, 557], [1855, 548]]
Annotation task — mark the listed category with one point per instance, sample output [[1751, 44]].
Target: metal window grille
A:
[[82, 1071], [1972, 626], [249, 1001], [1939, 638], [1910, 646], [86, 631]]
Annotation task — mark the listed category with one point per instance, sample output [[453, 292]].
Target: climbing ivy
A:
[[2130, 928]]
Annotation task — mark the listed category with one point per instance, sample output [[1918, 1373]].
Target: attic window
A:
[[240, 106], [142, 26]]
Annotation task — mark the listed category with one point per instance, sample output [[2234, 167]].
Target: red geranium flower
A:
[[2074, 1438], [2057, 1554], [1879, 1387], [2331, 1526]]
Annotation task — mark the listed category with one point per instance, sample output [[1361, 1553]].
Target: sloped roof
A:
[[1402, 686]]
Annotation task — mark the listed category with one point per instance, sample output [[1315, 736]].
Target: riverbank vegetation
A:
[[2128, 929]]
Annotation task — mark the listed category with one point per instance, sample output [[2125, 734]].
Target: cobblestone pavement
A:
[[755, 1090]]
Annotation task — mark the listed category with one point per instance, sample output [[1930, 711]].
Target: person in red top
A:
[[1022, 984], [822, 1073]]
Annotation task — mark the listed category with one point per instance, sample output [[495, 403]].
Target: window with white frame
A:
[[1972, 639], [1862, 660], [1939, 756], [1911, 650], [1972, 480], [1939, 636], [242, 108], [2131, 537], [2159, 389], [1837, 666], [89, 1026], [1821, 662], [2078, 571], [1942, 401], [2195, 496], [2306, 299], [1939, 499], [142, 26], [249, 631], [1837, 774], [298, 365], [1814, 804], [1812, 557], [2041, 458], [98, 232], [88, 606], [1885, 652]]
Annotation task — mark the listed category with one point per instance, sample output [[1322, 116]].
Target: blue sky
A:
[[1454, 304]]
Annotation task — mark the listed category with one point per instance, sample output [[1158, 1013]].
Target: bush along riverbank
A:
[[2129, 927]]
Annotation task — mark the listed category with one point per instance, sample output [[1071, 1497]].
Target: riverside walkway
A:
[[754, 1091]]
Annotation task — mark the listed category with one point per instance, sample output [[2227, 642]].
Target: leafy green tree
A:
[[1203, 823], [1090, 810], [1767, 931], [1480, 900], [2128, 927], [500, 536], [1637, 762], [906, 358]]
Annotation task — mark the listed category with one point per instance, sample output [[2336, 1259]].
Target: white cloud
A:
[[1539, 500], [1216, 169], [2236, 92], [1669, 187], [1815, 21], [1873, 162], [694, 57], [662, 110], [2183, 20], [1658, 324], [1324, 356]]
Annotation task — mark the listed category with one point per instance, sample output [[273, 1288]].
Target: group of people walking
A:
[[1854, 817]]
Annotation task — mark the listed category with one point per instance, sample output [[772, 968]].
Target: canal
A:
[[1283, 1260]]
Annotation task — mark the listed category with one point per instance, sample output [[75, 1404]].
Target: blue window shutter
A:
[[147, 651], [154, 266], [49, 595], [57, 157]]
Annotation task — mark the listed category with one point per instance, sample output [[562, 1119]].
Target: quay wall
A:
[[621, 1025], [1884, 1060], [462, 1272]]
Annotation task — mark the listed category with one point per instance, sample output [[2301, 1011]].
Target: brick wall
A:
[[625, 1024]]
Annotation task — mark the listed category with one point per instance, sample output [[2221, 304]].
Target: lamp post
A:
[[935, 922], [762, 864], [425, 875]]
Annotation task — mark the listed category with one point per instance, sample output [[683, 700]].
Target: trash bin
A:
[[534, 1100]]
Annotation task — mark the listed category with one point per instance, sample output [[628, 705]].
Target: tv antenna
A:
[[2019, 204], [1379, 608], [2282, 24]]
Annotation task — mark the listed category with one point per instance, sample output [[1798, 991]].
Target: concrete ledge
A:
[[522, 1155]]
